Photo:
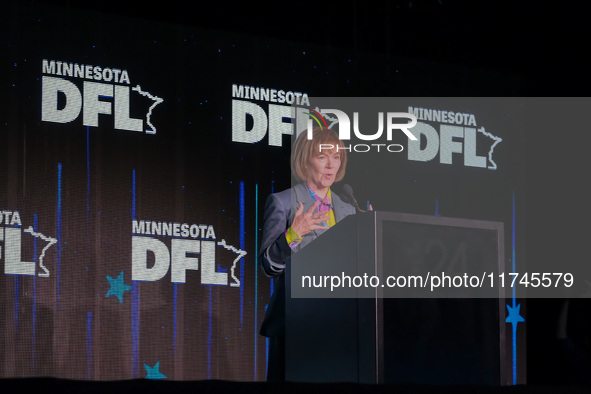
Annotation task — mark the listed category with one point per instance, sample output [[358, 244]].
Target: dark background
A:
[[540, 46]]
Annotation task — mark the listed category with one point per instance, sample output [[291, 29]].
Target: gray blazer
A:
[[280, 209]]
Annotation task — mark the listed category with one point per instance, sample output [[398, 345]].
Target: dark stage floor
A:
[[60, 386]]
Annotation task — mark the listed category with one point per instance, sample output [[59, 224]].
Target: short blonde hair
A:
[[304, 149]]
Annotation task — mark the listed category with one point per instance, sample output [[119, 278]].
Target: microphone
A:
[[348, 194]]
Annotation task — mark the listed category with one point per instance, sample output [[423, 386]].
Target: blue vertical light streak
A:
[[135, 298], [256, 276], [241, 206], [34, 308], [88, 345], [514, 317], [266, 356], [59, 231], [272, 283], [271, 279], [87, 190], [514, 325], [513, 249], [88, 314]]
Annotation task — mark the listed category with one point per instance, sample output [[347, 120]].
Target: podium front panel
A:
[[411, 338]]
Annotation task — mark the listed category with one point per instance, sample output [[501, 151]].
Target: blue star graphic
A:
[[514, 316], [118, 287], [154, 372]]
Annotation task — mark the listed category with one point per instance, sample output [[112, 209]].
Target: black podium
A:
[[370, 333]]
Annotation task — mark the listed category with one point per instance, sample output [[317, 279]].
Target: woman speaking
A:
[[294, 218]]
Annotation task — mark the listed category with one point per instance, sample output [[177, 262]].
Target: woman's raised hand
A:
[[304, 222]]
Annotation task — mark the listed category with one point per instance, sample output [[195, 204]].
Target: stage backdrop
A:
[[131, 203]]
